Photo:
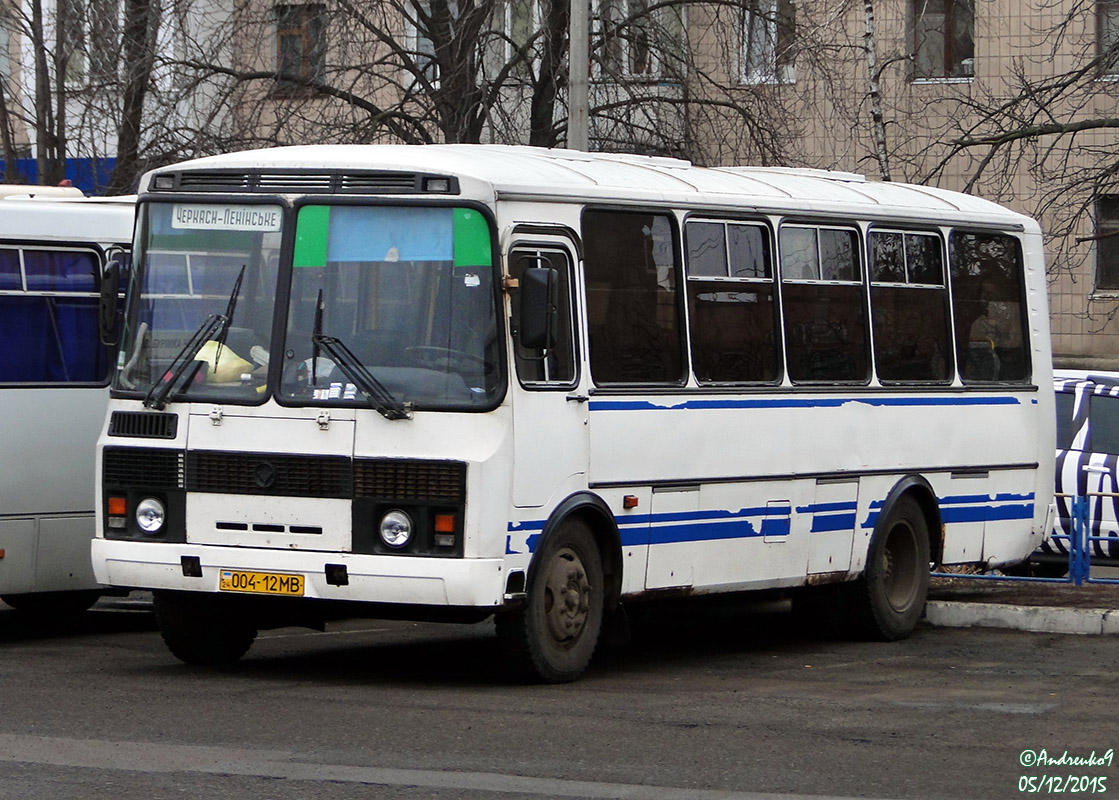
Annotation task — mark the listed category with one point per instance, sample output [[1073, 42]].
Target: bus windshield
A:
[[391, 301], [201, 302]]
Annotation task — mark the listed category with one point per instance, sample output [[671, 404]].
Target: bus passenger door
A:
[[832, 532], [550, 439]]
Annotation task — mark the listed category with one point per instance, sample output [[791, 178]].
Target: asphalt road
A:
[[724, 704]]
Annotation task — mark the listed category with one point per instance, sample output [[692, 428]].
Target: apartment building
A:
[[1014, 100]]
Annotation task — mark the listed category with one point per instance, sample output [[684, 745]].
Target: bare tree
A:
[[483, 70]]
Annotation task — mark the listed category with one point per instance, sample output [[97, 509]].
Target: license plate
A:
[[233, 580]]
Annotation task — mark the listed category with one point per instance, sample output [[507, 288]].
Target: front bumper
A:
[[417, 581]]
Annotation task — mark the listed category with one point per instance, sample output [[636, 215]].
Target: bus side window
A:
[[1103, 424], [822, 290], [49, 317], [633, 312], [909, 307], [557, 364], [731, 303], [988, 299]]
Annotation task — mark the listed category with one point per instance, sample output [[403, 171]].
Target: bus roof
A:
[[106, 220], [521, 172]]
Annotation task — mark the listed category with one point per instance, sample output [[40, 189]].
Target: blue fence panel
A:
[[91, 175]]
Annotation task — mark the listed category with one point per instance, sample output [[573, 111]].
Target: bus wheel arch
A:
[[887, 600], [572, 585]]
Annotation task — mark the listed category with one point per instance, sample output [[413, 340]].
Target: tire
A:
[[52, 604], [886, 603], [199, 631], [553, 637]]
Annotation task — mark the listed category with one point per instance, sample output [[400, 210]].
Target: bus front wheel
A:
[[553, 637], [888, 600], [199, 631]]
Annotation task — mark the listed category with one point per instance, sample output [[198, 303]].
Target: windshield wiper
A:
[[157, 396], [351, 366], [214, 324]]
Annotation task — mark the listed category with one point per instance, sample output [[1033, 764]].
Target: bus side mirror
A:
[[539, 295], [107, 307]]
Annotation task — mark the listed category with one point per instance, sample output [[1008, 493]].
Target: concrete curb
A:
[[1040, 619]]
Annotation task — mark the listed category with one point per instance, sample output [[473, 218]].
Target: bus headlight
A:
[[396, 528], [150, 515]]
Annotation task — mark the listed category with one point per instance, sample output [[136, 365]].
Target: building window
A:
[[639, 40], [1107, 243], [768, 31], [943, 38], [1107, 35], [300, 44], [517, 25]]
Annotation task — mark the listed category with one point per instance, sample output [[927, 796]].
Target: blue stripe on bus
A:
[[721, 525], [801, 402]]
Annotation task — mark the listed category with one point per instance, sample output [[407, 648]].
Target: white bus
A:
[[458, 381], [54, 377]]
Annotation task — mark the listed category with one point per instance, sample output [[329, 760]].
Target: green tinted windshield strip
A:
[[312, 233], [381, 233], [472, 239]]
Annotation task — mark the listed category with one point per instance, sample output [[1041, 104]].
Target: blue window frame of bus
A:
[[633, 309], [557, 366], [732, 305], [989, 304], [826, 337], [409, 290], [52, 338], [909, 307], [11, 278]]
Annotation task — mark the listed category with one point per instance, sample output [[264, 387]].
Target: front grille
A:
[[443, 481], [269, 474], [124, 468], [325, 182], [289, 475], [143, 425]]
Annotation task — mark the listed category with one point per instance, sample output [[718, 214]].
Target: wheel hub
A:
[[566, 596]]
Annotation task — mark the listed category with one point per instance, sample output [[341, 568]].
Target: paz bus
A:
[[459, 381], [54, 377]]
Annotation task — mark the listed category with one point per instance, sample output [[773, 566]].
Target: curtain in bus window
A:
[[9, 270], [50, 340], [61, 271], [632, 308], [988, 299]]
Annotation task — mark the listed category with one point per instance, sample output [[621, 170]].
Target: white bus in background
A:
[[54, 376], [450, 382]]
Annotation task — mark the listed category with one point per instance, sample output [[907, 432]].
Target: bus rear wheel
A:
[[553, 637], [199, 631], [886, 603]]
